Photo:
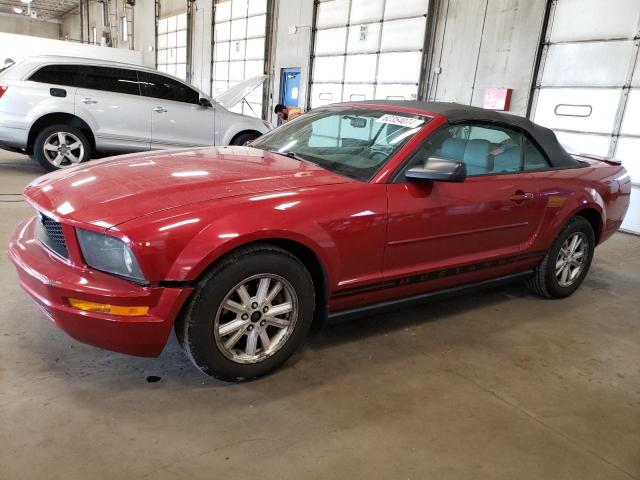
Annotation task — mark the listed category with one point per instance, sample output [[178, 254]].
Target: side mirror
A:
[[438, 170], [205, 103]]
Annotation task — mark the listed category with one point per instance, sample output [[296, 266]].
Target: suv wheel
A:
[[249, 314], [244, 139], [567, 262], [61, 146]]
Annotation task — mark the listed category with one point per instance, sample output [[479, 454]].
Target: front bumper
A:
[[51, 281]]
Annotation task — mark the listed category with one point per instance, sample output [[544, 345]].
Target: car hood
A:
[[108, 192], [230, 98]]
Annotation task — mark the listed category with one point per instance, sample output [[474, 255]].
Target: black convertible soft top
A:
[[457, 113]]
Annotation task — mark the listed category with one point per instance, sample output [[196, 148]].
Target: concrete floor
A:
[[495, 385]]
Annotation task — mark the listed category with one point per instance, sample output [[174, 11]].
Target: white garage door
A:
[[172, 45], [239, 38], [589, 83], [366, 49]]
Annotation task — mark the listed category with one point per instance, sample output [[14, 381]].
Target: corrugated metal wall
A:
[[485, 43]]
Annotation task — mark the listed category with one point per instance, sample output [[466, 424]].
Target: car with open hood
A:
[[63, 111], [346, 210]]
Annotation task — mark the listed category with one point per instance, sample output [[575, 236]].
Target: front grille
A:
[[50, 233]]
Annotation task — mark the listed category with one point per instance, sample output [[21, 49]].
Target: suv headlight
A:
[[109, 254]]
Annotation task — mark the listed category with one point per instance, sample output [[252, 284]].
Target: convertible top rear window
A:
[[354, 142]]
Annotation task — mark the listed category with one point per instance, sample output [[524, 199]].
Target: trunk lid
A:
[[590, 158]]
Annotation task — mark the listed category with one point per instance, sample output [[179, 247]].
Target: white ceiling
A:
[[45, 8]]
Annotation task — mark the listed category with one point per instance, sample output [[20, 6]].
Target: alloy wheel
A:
[[256, 318], [571, 259], [63, 149]]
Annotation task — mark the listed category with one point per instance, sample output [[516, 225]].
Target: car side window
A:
[[66, 75], [485, 149], [165, 88], [108, 79], [533, 158]]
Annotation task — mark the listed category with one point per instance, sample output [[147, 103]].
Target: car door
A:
[[441, 234], [178, 119], [109, 100]]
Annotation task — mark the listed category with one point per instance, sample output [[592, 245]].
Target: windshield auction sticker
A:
[[408, 122]]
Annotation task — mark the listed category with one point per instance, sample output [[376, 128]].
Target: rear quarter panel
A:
[[566, 192], [25, 102]]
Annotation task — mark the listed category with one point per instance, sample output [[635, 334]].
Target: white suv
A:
[[62, 111]]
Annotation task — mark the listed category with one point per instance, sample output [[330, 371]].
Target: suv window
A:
[[485, 149], [57, 74], [108, 79], [159, 86]]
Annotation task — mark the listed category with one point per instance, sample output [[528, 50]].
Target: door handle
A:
[[89, 101], [160, 110], [521, 197]]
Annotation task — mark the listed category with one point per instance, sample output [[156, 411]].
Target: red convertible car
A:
[[347, 209]]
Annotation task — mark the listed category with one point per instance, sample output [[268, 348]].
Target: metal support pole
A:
[[542, 49], [313, 46], [268, 59], [81, 7], [427, 49], [190, 31], [88, 26]]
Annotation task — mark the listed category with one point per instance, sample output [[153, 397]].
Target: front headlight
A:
[[109, 254]]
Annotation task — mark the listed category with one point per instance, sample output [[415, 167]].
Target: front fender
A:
[[208, 247], [231, 124], [180, 244]]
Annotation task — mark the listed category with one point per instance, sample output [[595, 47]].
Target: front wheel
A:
[[567, 262], [244, 139], [249, 313], [61, 146]]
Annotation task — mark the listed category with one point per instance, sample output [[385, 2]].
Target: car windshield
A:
[[353, 142]]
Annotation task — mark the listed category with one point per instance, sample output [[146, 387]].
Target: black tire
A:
[[198, 339], [544, 281], [38, 147], [244, 138]]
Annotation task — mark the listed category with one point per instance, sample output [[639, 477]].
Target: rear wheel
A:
[[249, 314], [244, 138], [567, 262], [61, 146]]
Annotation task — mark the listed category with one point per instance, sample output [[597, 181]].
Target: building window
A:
[[172, 45], [124, 28], [239, 37], [105, 14]]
